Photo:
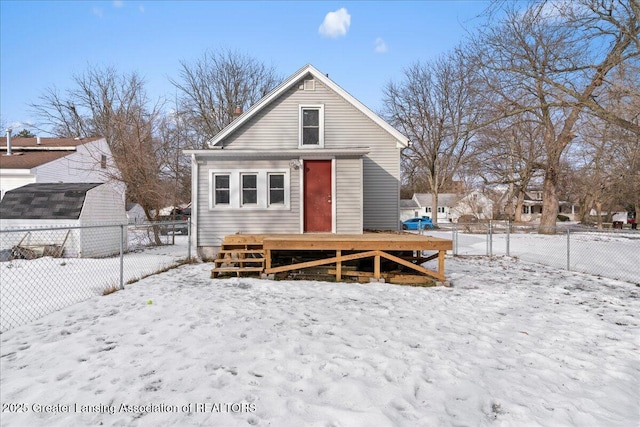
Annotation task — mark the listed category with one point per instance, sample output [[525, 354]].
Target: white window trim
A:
[[320, 108], [257, 203], [235, 189], [286, 192], [212, 190]]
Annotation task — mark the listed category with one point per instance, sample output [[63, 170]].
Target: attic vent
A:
[[309, 85]]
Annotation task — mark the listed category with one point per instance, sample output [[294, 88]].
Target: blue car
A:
[[416, 223]]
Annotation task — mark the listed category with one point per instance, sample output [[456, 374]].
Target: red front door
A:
[[318, 203]]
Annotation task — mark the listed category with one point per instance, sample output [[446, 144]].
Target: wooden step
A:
[[238, 260], [238, 270], [242, 251]]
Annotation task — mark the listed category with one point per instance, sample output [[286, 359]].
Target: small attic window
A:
[[309, 85]]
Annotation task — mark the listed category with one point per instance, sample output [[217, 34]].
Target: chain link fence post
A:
[[122, 256], [490, 239], [508, 236], [454, 238], [189, 239], [568, 250]]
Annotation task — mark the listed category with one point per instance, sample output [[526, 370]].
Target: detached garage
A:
[[64, 205]]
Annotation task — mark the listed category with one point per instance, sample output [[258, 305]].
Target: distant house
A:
[[307, 158], [65, 205], [135, 213], [452, 206], [55, 160], [532, 206], [409, 208]]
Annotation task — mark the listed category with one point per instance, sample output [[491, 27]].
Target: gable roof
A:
[[408, 204], [45, 201], [28, 154], [444, 199], [290, 82]]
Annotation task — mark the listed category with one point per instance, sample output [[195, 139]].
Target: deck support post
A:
[[338, 265], [376, 267], [441, 262], [267, 259]]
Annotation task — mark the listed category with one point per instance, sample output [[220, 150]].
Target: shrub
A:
[[563, 218]]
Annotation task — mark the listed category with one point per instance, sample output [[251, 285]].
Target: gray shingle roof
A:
[[45, 201], [444, 199], [408, 204]]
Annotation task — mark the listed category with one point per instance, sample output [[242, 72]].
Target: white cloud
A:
[[141, 8], [381, 46], [335, 24], [117, 3], [98, 12]]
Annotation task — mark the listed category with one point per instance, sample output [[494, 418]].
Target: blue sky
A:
[[361, 45]]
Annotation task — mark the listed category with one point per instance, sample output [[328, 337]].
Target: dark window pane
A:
[[310, 136], [222, 190], [222, 197], [276, 197], [249, 197], [249, 181], [310, 118], [276, 181], [222, 181]]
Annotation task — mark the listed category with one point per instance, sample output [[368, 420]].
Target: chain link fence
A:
[[48, 268], [609, 253]]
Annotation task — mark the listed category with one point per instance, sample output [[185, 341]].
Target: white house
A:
[[64, 205], [53, 160], [307, 158], [452, 206]]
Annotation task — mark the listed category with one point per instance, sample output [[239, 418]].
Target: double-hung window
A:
[[249, 189], [311, 126], [221, 189], [276, 189]]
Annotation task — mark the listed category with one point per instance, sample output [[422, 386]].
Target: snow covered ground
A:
[[613, 254], [30, 289], [511, 343]]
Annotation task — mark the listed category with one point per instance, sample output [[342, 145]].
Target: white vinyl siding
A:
[[349, 195], [215, 223], [277, 127]]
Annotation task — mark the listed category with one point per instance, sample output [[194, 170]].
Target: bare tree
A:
[[215, 86], [555, 58], [433, 105], [507, 153], [106, 103]]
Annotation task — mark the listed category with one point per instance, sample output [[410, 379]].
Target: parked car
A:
[[416, 223], [177, 214]]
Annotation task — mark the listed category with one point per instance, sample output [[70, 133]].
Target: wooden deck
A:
[[395, 257]]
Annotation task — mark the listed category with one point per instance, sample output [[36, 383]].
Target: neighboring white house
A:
[[532, 206], [135, 213], [55, 160], [65, 205], [307, 158], [409, 208], [452, 206]]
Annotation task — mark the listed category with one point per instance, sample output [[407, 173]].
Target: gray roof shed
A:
[[45, 201]]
